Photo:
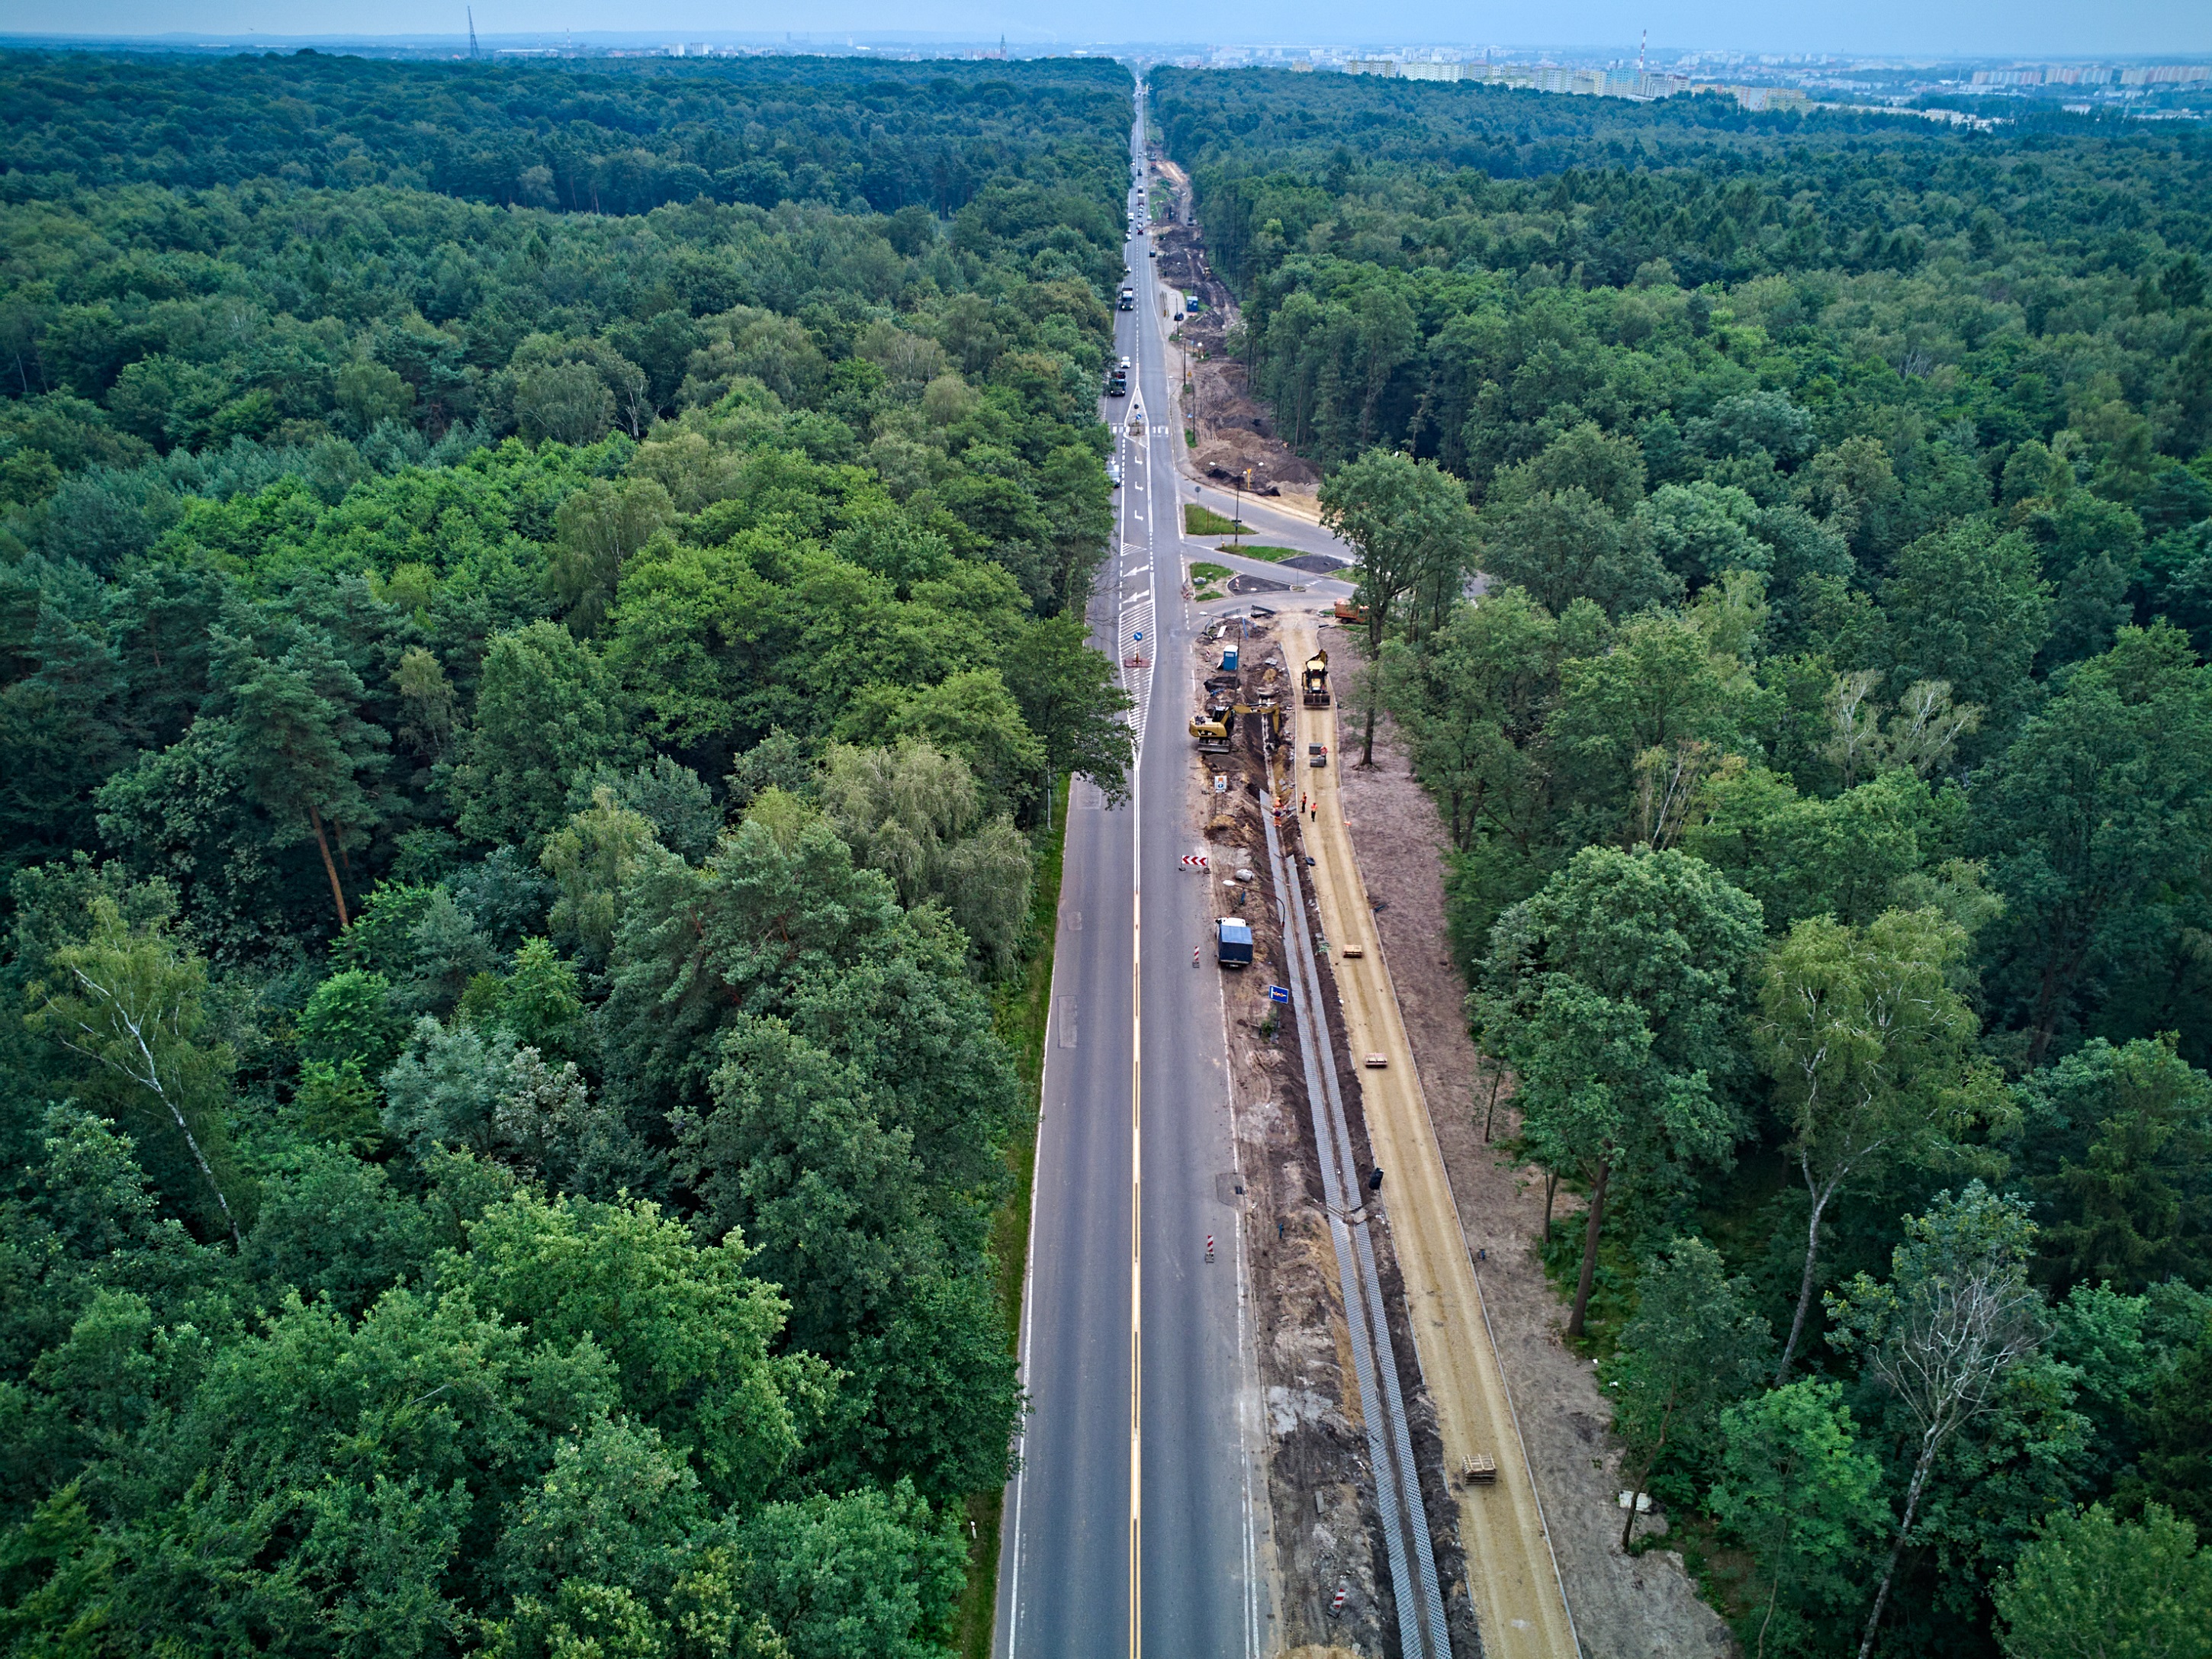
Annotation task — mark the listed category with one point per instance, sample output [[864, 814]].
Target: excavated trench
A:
[[1320, 1486]]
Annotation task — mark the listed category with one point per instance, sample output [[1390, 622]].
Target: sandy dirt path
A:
[[1625, 1606], [1513, 1580]]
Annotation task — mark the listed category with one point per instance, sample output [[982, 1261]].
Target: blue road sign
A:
[[1279, 993]]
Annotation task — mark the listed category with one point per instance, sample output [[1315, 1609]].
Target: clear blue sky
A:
[[1950, 28]]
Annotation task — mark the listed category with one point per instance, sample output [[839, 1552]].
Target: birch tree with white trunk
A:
[[1872, 1053], [129, 1000]]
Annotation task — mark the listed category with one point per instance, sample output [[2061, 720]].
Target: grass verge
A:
[[1253, 550], [1022, 1013], [1204, 521]]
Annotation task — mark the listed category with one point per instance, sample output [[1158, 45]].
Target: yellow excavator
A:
[[1215, 727], [1315, 684]]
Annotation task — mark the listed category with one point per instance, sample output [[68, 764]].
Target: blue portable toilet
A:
[[1229, 660]]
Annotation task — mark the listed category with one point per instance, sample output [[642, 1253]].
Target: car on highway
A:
[[1114, 474]]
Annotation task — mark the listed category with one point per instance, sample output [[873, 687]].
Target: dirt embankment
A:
[[1320, 1486], [1235, 435], [1623, 1606]]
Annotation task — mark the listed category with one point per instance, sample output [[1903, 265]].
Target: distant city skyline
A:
[[1946, 28]]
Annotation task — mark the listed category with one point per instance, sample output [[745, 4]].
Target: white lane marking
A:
[[1029, 1321], [1136, 1215], [1136, 621], [1142, 619], [1136, 1179], [1248, 1381]]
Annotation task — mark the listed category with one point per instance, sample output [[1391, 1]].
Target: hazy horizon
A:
[[1885, 27]]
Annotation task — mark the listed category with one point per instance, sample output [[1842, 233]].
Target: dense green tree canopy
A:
[[1841, 484], [543, 617]]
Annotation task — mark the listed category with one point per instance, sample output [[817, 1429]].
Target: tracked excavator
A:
[[1314, 684], [1216, 726]]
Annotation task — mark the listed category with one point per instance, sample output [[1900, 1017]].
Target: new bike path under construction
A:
[[1513, 1580]]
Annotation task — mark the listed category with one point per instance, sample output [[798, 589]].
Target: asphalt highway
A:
[[1265, 523], [1132, 1522]]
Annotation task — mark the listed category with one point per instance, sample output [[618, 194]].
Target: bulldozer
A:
[[1315, 683]]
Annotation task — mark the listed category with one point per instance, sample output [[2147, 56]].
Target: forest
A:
[[540, 642], [1828, 765], [540, 635]]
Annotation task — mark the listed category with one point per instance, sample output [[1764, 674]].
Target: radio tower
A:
[[473, 52]]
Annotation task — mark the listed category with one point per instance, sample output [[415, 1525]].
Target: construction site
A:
[[1464, 1327], [1236, 438], [1382, 1483], [1444, 1221]]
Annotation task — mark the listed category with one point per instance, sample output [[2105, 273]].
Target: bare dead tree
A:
[[1957, 1316]]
